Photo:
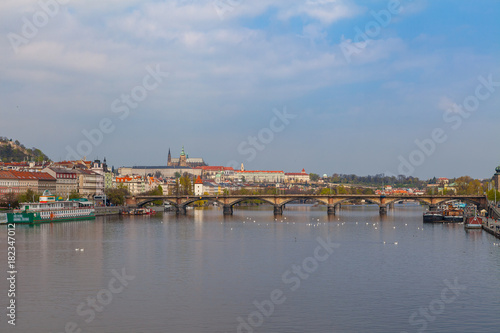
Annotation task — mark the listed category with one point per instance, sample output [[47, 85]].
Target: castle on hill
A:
[[184, 160]]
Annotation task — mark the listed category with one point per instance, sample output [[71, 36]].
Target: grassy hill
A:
[[14, 151]]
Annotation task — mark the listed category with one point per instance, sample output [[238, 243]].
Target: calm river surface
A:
[[251, 273]]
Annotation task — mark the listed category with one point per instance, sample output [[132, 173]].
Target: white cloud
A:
[[447, 104], [325, 11]]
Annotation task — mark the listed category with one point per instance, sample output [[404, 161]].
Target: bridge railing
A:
[[492, 205]]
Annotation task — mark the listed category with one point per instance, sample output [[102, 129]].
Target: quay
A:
[[491, 226], [104, 211]]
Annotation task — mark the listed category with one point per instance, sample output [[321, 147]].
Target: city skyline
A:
[[274, 84]]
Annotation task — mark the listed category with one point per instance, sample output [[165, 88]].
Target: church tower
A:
[[182, 159], [169, 159]]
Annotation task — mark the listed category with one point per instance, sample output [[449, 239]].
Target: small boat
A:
[[473, 222], [139, 211]]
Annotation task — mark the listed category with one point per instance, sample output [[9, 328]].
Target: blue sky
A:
[[355, 104]]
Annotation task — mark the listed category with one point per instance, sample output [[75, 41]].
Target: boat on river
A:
[[51, 209], [473, 222], [433, 216], [452, 214], [139, 211]]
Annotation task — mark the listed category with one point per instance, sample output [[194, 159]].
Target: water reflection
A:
[[202, 271]]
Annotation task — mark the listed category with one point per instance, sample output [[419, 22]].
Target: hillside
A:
[[14, 151]]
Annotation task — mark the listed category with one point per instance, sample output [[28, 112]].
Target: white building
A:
[[296, 177], [260, 176]]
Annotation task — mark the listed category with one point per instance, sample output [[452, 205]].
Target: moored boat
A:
[[473, 222], [432, 216], [139, 211], [51, 209], [453, 215]]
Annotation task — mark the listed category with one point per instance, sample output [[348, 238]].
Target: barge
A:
[[51, 209]]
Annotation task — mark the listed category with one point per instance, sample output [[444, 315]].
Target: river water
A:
[[250, 272]]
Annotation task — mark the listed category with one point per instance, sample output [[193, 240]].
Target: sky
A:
[[354, 87]]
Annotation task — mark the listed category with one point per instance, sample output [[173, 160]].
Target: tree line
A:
[[377, 180]]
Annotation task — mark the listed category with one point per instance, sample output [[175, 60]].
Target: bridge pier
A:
[[278, 209], [331, 209], [383, 210], [228, 210], [180, 210]]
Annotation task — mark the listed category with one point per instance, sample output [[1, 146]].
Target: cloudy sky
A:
[[331, 86]]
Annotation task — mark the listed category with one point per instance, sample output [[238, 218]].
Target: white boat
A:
[[52, 209]]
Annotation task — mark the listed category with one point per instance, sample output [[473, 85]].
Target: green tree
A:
[[368, 191], [75, 195], [117, 195], [177, 187], [157, 191], [342, 190], [491, 195], [313, 177], [29, 196], [475, 187], [185, 183], [447, 191], [462, 184], [325, 191]]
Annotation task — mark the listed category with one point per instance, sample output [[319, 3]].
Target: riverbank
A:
[[104, 211], [491, 226]]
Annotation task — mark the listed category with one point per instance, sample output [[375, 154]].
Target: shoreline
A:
[[491, 226]]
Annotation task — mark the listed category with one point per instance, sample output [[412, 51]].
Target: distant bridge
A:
[[279, 201]]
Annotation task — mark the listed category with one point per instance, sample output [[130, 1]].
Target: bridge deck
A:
[[279, 201]]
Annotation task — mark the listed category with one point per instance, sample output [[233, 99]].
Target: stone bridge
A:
[[279, 201]]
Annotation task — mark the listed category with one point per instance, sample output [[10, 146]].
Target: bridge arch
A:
[[464, 199], [202, 198], [239, 200], [320, 200], [279, 201], [348, 199], [146, 201], [420, 200]]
